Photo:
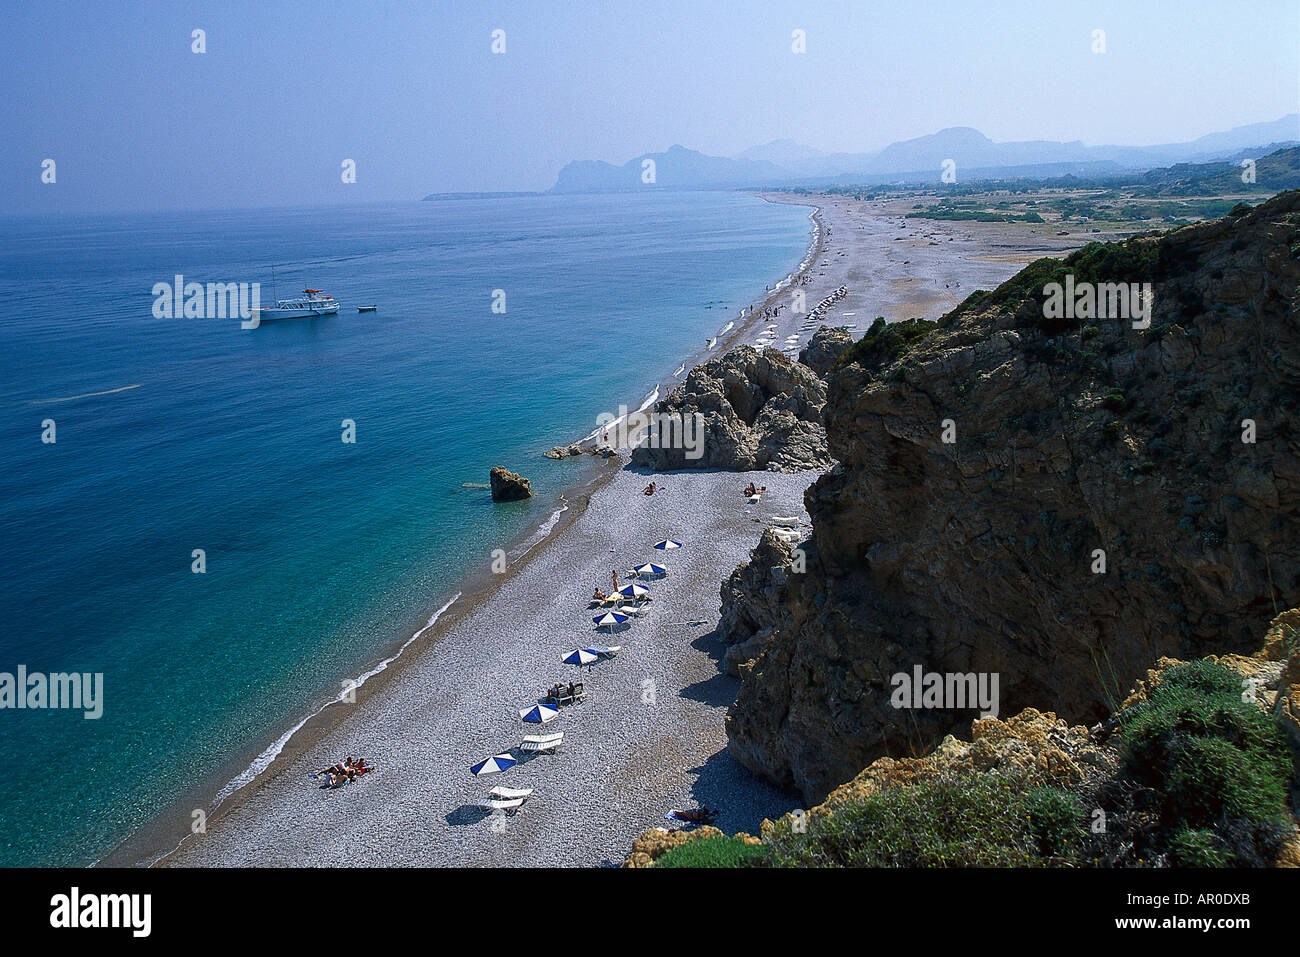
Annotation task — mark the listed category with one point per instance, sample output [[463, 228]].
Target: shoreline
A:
[[165, 834], [867, 255]]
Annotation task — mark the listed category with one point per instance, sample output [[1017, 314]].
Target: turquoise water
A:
[[321, 556]]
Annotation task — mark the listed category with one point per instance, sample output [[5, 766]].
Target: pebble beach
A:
[[649, 738]]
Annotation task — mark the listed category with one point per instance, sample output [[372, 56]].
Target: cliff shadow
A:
[[720, 689], [740, 798]]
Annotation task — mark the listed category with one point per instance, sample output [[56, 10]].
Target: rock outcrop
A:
[[508, 486], [760, 411], [564, 451], [752, 597], [1109, 495], [824, 348]]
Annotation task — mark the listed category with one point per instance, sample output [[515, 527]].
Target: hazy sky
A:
[[413, 93]]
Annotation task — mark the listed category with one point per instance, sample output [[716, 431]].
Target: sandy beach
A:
[[452, 701]]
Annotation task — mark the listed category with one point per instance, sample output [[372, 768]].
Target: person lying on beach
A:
[[344, 771], [750, 490], [650, 489], [598, 595]]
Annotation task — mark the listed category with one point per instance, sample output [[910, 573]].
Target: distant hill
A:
[[1274, 172], [786, 162], [677, 168]]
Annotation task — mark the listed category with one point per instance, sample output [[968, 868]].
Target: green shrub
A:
[[1056, 821], [1198, 848], [966, 821], [885, 342], [714, 852], [1215, 761], [1203, 677]]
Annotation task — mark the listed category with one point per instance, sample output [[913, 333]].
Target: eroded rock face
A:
[[761, 411], [1070, 437], [508, 486], [752, 597], [824, 348]]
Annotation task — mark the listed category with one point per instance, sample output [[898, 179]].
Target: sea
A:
[[230, 524]]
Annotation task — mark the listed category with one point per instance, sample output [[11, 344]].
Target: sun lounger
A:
[[510, 794], [605, 651], [791, 521], [753, 499], [492, 804], [542, 742], [564, 698]]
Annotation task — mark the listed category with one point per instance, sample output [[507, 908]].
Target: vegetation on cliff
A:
[[1196, 769]]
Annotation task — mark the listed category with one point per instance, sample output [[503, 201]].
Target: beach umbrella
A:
[[650, 568], [498, 762], [609, 619], [581, 656], [667, 544], [539, 713], [634, 590]]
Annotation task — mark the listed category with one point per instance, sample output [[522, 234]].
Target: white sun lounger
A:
[[791, 521], [542, 742], [492, 804], [510, 794]]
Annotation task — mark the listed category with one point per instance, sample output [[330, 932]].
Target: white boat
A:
[[312, 302]]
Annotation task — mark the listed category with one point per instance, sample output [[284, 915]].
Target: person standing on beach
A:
[[614, 574]]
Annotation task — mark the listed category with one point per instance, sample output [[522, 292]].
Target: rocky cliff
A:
[[1034, 750], [1056, 500], [760, 411], [825, 348]]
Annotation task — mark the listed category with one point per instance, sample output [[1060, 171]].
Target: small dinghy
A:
[[366, 308]]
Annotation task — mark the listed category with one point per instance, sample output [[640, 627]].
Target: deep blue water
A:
[[321, 556]]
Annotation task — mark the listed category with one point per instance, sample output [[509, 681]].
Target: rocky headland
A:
[[1061, 501]]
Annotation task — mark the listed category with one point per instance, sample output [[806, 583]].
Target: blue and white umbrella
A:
[[649, 569], [539, 714], [609, 619], [666, 544], [581, 656], [498, 762], [634, 590]]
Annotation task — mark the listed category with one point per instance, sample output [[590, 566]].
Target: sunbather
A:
[[598, 595], [650, 489], [750, 490]]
